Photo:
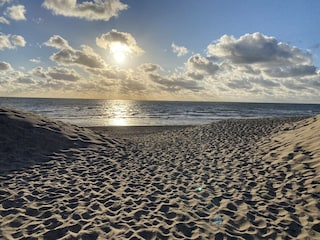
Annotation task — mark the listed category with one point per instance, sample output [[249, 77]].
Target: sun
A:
[[119, 51]]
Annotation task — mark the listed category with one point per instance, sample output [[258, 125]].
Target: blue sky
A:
[[209, 50]]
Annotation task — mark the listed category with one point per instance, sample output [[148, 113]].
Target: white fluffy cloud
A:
[[274, 58], [179, 50], [107, 40], [18, 40], [35, 60], [69, 56], [11, 41], [89, 10], [16, 12], [5, 41], [255, 66]]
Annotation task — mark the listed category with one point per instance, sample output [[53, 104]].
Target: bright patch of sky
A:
[[210, 50]]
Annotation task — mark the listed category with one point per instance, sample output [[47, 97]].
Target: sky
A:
[[208, 50]]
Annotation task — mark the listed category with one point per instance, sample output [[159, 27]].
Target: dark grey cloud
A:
[[203, 64], [195, 75], [291, 71], [131, 86], [4, 66], [56, 73], [315, 83], [294, 85], [76, 57], [265, 82], [25, 80], [244, 84], [69, 56], [63, 74], [58, 42], [175, 84], [149, 67]]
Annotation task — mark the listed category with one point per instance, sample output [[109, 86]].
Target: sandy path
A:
[[227, 180]]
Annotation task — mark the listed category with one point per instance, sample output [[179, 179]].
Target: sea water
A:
[[84, 112]]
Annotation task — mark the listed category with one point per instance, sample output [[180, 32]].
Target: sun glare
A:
[[119, 51], [119, 122], [118, 113]]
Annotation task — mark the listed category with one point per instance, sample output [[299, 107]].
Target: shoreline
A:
[[136, 130]]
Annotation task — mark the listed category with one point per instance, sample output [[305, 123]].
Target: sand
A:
[[234, 179]]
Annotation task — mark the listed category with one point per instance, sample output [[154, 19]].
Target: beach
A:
[[232, 179]]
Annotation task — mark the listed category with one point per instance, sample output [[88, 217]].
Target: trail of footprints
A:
[[207, 182]]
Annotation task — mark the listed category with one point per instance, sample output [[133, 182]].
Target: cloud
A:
[[25, 80], [38, 20], [291, 71], [66, 74], [85, 57], [108, 73], [107, 40], [35, 60], [257, 48], [251, 67], [179, 50], [2, 2], [174, 84], [88, 10], [202, 64], [11, 41], [5, 41], [149, 67], [69, 56], [39, 72], [3, 20], [4, 66], [18, 40], [58, 42], [195, 75], [56, 74], [16, 12], [218, 74], [131, 86]]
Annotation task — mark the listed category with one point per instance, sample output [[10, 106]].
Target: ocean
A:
[[90, 113]]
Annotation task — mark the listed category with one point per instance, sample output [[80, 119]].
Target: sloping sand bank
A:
[[235, 179]]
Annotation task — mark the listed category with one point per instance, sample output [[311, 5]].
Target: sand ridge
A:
[[234, 179]]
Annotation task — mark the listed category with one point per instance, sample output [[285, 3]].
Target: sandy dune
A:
[[235, 179]]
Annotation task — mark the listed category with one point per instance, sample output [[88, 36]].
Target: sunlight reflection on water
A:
[[118, 113]]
